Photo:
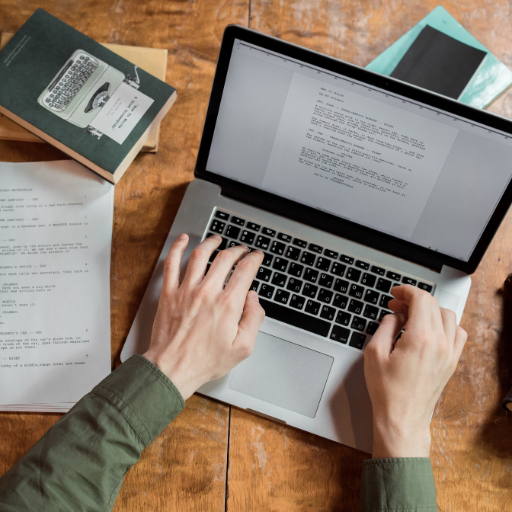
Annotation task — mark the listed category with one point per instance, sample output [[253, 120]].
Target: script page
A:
[[55, 243], [356, 157]]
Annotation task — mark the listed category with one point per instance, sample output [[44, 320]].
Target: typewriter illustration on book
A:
[[81, 88]]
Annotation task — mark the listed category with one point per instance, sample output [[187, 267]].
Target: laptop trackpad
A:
[[283, 374]]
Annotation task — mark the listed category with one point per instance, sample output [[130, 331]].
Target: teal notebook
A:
[[490, 80], [79, 96]]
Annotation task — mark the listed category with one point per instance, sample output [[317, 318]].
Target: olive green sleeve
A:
[[398, 485], [80, 463]]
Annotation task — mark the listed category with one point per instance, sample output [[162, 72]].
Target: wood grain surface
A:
[[212, 448]]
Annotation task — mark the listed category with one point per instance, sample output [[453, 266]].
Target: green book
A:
[[79, 96], [490, 80]]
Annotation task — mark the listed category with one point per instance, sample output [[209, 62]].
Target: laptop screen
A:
[[358, 152]]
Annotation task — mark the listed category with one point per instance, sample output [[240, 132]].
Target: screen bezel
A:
[[322, 220]]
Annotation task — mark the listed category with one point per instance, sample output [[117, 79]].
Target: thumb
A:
[[252, 318], [386, 334]]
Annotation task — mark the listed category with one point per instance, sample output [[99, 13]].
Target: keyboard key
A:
[[232, 243], [221, 215], [378, 270], [268, 232], [368, 280], [355, 307], [383, 285], [300, 243], [327, 312], [293, 253], [311, 275], [232, 231], [222, 245], [264, 274], [353, 274], [323, 264], [254, 286], [262, 242], [284, 238], [279, 279], [280, 264], [356, 291], [357, 340], [371, 312], [363, 265], [278, 248], [409, 280], [267, 259], [238, 221], [253, 227], [341, 286], [343, 318], [247, 237], [312, 307], [339, 334], [282, 296], [297, 301], [393, 275], [346, 259], [338, 269], [383, 313], [358, 323], [372, 328], [425, 286], [331, 254], [371, 296], [308, 258], [326, 280], [309, 290], [294, 285], [295, 318], [217, 226], [266, 291], [315, 248], [325, 296], [384, 300], [340, 301], [213, 255], [295, 270]]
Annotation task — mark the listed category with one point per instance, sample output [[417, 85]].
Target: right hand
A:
[[405, 379]]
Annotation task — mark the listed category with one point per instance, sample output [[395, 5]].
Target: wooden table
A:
[[214, 457]]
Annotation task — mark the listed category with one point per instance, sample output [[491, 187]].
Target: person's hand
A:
[[406, 378], [202, 328]]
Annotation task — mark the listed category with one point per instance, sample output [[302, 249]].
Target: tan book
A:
[[152, 60]]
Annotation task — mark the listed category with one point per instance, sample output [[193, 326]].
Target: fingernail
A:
[[258, 251], [183, 236], [217, 237], [254, 296]]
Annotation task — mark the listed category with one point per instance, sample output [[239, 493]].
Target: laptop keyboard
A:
[[314, 288]]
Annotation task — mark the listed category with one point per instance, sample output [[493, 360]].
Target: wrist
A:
[[394, 441]]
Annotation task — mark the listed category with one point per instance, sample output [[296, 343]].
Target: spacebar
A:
[[295, 318]]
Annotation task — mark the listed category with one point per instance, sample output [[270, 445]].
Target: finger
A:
[[223, 263], [249, 325], [419, 303], [172, 263], [244, 274], [449, 320], [390, 327], [196, 267]]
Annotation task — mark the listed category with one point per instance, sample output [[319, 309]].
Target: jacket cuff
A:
[[399, 484], [144, 395]]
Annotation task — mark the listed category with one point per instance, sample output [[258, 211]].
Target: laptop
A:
[[350, 183]]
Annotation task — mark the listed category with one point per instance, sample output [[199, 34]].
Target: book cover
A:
[[79, 96], [439, 63], [152, 60], [491, 80]]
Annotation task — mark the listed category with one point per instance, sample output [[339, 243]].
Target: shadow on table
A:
[[497, 433]]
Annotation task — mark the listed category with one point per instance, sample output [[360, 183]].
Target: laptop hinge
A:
[[325, 222]]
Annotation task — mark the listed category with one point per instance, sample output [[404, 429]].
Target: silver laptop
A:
[[350, 183]]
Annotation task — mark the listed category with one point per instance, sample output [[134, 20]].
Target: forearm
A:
[[80, 463]]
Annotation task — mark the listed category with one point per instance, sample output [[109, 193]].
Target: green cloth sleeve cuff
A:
[[398, 484], [144, 395]]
